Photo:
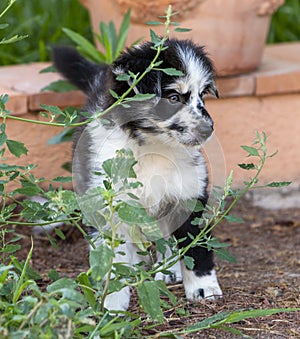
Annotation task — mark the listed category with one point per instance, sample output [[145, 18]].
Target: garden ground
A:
[[266, 275]]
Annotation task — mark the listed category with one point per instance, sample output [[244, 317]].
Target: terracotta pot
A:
[[233, 31]]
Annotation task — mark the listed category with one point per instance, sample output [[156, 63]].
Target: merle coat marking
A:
[[165, 135]]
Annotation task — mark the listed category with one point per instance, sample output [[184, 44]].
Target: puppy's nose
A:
[[206, 130]]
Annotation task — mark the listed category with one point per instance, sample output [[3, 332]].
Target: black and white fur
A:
[[165, 135]]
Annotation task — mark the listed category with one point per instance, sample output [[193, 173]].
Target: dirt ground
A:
[[267, 274]]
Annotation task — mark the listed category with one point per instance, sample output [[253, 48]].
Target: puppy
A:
[[164, 133]]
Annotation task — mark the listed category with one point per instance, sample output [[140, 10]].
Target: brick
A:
[[278, 77], [73, 98], [26, 78], [284, 51], [49, 158], [280, 70], [238, 119], [243, 85], [17, 103]]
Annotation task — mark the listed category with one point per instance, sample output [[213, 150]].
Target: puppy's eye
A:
[[174, 98]]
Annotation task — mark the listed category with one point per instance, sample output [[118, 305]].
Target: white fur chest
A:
[[169, 173]]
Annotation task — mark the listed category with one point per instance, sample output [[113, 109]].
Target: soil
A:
[[267, 274]]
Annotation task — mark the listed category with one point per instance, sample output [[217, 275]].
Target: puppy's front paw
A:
[[174, 277], [204, 287], [118, 301]]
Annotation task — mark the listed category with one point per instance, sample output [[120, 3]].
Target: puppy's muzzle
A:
[[206, 129]]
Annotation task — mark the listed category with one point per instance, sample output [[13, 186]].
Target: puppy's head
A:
[[178, 113]]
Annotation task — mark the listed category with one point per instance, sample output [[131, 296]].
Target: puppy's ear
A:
[[213, 90], [75, 68], [137, 60]]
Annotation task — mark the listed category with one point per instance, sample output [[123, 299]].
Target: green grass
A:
[[42, 21]]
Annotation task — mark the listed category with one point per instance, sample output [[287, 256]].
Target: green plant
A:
[[285, 23], [112, 43], [14, 38], [74, 308], [39, 21]]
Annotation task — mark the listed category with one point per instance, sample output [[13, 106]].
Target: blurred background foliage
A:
[[285, 23], [42, 21]]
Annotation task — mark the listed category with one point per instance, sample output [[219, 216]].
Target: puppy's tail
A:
[[75, 68]]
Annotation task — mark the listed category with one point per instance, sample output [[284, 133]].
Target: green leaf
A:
[[59, 86], [85, 46], [194, 205], [206, 323], [189, 262], [149, 298], [121, 166], [12, 39], [53, 275], [10, 168], [107, 42], [140, 97], [61, 283], [133, 196], [215, 243], [132, 213], [33, 210], [52, 109], [3, 136], [155, 38], [123, 77], [182, 30], [49, 69], [63, 179], [223, 254], [29, 189], [172, 71], [2, 26], [153, 23], [66, 135], [123, 32], [16, 148], [247, 166], [124, 270], [279, 184], [60, 234], [23, 281], [217, 320], [161, 246], [101, 261], [241, 315], [164, 289], [87, 289], [232, 218], [10, 248], [251, 150], [113, 94], [67, 166], [90, 204]]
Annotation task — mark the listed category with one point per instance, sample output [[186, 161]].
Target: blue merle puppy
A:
[[165, 135]]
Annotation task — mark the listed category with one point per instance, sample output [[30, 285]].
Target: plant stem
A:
[[112, 246], [11, 2]]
